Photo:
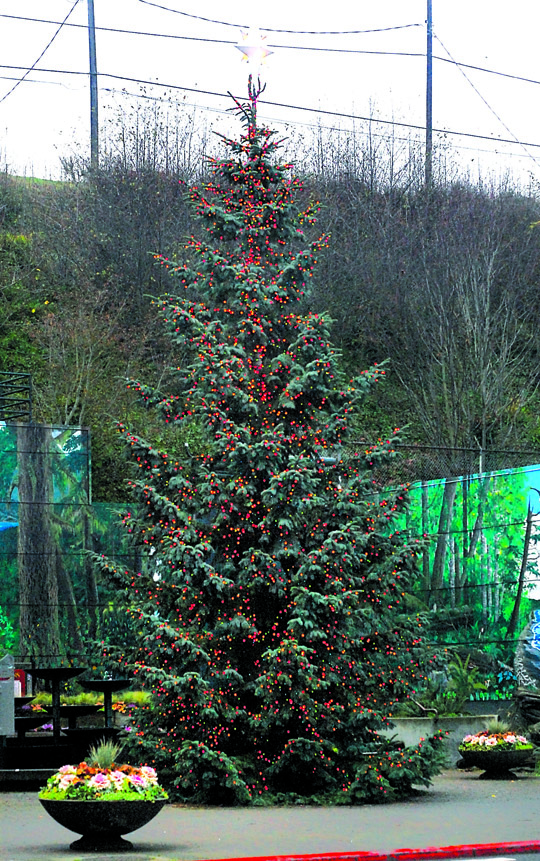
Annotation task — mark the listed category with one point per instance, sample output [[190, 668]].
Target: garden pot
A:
[[102, 823], [496, 763]]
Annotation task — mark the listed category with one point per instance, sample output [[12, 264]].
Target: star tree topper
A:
[[253, 47]]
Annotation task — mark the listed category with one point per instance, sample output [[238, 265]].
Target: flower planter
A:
[[102, 823], [103, 801], [496, 763], [496, 751]]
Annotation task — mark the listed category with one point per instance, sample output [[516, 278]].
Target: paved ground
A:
[[459, 809]]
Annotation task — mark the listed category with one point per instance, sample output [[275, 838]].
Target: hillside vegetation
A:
[[444, 286]]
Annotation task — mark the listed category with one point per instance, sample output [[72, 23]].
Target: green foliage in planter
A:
[[42, 698], [89, 698], [155, 793], [103, 780], [83, 699], [136, 698]]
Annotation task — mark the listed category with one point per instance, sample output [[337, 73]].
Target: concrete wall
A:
[[411, 730]]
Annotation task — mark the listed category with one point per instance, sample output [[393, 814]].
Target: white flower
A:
[[66, 780], [149, 774]]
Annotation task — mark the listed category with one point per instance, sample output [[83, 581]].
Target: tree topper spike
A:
[[248, 110]]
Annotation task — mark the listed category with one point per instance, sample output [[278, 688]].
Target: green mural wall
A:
[[479, 567], [50, 601], [478, 539]]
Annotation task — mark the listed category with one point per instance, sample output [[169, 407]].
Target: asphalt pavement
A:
[[460, 815]]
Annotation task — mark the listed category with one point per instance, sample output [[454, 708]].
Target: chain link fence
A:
[[424, 463]]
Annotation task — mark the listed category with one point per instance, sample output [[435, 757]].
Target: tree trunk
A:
[[445, 519], [38, 586], [479, 522], [514, 618], [90, 577], [68, 610], [425, 531], [452, 571]]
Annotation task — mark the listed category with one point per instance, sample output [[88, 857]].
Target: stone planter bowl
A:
[[102, 823], [496, 763]]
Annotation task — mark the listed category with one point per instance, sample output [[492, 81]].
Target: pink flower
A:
[[490, 741], [99, 781], [138, 781], [117, 779]]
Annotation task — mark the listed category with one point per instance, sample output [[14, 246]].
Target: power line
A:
[[183, 37], [130, 32], [36, 81], [483, 69], [488, 106], [287, 122], [46, 48], [284, 105], [326, 128], [449, 60], [303, 124], [220, 41], [275, 30]]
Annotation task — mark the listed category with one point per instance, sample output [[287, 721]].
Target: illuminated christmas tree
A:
[[269, 612]]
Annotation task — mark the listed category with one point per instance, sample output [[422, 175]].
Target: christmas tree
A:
[[269, 614]]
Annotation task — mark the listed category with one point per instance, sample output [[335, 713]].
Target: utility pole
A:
[[94, 140], [429, 97]]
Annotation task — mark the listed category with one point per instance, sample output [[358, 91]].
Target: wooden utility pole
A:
[[94, 139], [429, 96]]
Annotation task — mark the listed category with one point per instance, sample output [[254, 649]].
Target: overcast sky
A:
[[367, 73]]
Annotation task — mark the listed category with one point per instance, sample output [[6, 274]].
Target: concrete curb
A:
[[474, 850]]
